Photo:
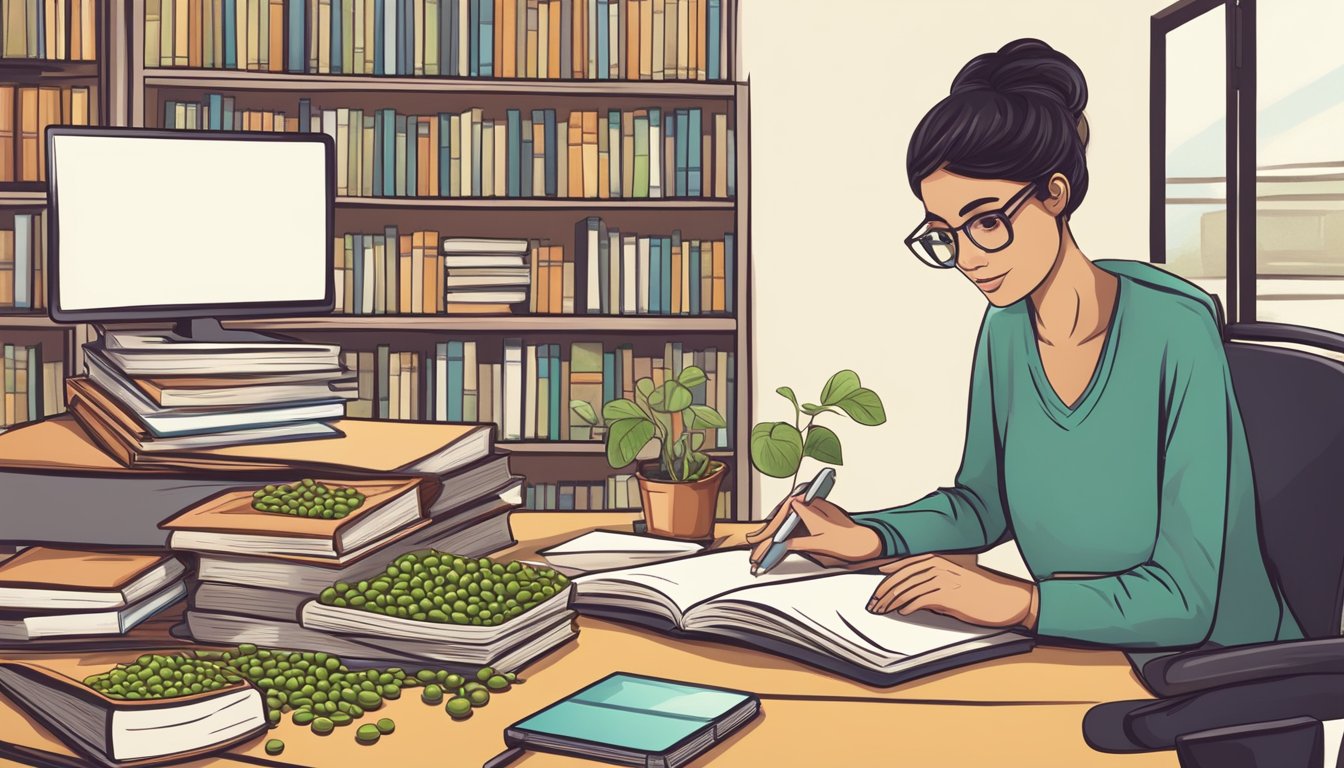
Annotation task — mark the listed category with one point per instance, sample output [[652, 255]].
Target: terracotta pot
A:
[[680, 510]]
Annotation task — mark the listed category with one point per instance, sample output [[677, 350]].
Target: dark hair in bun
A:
[[1016, 113]]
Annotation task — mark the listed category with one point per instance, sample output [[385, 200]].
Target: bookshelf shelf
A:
[[22, 197], [508, 324], [33, 321], [313, 83], [538, 203], [574, 447]]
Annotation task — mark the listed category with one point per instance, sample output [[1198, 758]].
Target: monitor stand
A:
[[209, 329]]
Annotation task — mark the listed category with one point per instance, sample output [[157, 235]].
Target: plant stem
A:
[[793, 484]]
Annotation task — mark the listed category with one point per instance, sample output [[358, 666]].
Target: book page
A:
[[687, 581], [612, 541], [831, 613]]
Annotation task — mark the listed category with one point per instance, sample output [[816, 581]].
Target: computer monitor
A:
[[188, 225]]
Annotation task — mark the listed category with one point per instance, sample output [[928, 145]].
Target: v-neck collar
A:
[[1062, 414]]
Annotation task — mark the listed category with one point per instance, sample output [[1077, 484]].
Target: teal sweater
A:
[[1144, 486]]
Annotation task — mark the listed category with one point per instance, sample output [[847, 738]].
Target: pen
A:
[[817, 489]]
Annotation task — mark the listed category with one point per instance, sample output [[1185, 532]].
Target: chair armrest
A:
[[1198, 670], [1297, 742]]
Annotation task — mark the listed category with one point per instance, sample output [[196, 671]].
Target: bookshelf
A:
[[157, 71]]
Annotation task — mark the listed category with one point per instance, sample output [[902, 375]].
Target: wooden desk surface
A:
[[1022, 710]]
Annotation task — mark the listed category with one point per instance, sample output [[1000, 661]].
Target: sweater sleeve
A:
[[1168, 600], [969, 515]]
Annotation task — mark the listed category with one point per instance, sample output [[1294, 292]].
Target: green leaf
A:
[[865, 407], [787, 392], [671, 397], [812, 409], [643, 388], [626, 438], [697, 440], [823, 445], [704, 417], [691, 377], [584, 410], [615, 410], [840, 386], [776, 448]]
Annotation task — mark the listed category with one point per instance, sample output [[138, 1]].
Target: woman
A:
[[1103, 432]]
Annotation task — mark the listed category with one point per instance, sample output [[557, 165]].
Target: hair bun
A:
[[1030, 68]]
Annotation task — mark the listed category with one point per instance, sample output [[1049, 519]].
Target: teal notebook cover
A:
[[642, 714]]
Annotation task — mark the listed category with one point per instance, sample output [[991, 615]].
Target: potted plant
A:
[[778, 447], [680, 490]]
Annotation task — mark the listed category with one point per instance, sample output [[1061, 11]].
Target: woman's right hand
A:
[[829, 531]]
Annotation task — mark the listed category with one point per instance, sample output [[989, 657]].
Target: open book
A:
[[799, 609]]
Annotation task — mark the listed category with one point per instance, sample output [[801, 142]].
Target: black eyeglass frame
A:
[[1006, 212]]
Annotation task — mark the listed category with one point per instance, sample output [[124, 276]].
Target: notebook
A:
[[636, 720], [799, 609]]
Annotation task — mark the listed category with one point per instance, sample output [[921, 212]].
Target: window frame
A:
[[1240, 121]]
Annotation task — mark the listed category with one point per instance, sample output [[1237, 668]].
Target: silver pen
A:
[[817, 489]]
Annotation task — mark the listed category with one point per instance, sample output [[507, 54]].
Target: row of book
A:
[[25, 113], [417, 276], [49, 29], [628, 274], [639, 153], [526, 394], [33, 386], [545, 39], [23, 262], [617, 493]]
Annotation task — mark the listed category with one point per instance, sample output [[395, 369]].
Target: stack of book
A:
[[26, 111], [547, 39], [256, 568], [51, 596], [640, 275], [149, 394], [649, 152], [489, 276], [32, 384], [23, 260]]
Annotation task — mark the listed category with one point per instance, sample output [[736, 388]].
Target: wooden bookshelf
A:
[[538, 203], [501, 323], [138, 93]]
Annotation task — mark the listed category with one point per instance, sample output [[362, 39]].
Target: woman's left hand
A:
[[967, 592]]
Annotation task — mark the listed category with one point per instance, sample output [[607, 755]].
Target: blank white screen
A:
[[147, 221]]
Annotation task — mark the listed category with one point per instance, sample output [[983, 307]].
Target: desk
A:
[[1021, 710]]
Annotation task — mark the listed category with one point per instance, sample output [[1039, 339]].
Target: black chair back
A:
[[1292, 405]]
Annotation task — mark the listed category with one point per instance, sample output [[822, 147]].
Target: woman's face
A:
[[1029, 227]]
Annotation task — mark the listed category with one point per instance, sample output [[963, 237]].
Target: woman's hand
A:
[[830, 531], [957, 589]]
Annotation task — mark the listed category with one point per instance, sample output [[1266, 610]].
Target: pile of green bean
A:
[[322, 693], [308, 498], [316, 688], [162, 677], [443, 588]]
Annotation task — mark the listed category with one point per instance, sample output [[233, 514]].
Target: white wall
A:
[[834, 286]]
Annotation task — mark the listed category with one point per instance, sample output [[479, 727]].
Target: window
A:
[[1248, 155]]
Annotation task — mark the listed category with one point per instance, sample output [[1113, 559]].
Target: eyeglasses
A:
[[935, 242]]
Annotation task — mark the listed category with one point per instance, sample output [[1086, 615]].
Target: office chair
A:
[[1262, 705]]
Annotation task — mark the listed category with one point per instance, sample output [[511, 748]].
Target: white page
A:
[[612, 541], [689, 580], [836, 606]]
